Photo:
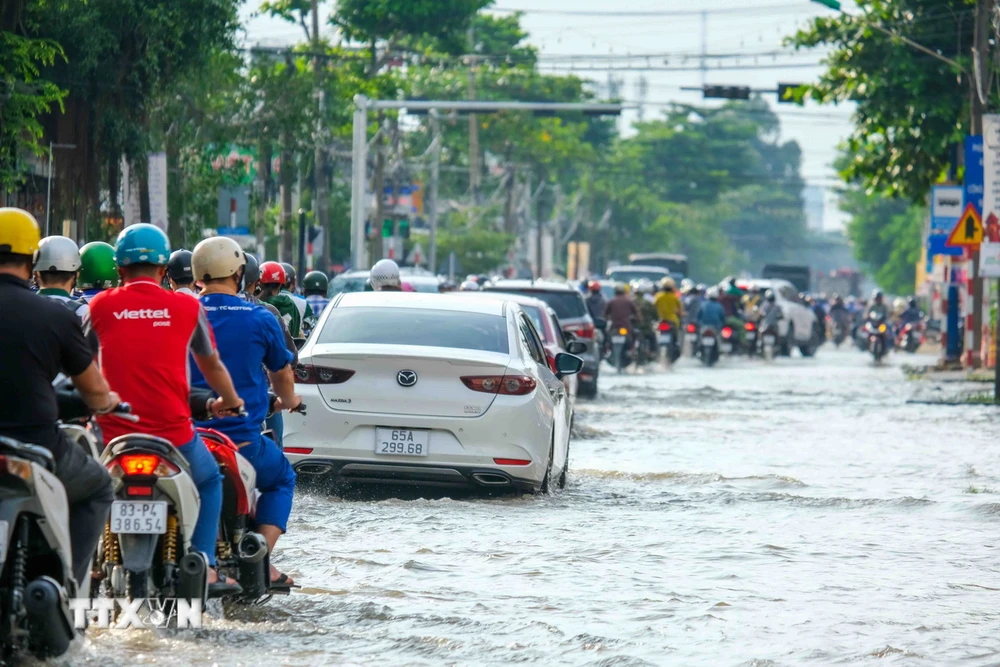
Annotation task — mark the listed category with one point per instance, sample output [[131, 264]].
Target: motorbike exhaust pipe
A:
[[49, 629], [192, 580], [254, 570]]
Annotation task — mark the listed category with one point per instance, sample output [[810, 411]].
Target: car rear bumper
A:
[[439, 476]]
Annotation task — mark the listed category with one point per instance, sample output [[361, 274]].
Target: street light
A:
[[48, 194]]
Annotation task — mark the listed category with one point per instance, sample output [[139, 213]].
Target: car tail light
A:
[[309, 374], [507, 385], [581, 330], [139, 491], [691, 328], [10, 465], [665, 326], [298, 450], [512, 462], [750, 326], [142, 464], [727, 332]]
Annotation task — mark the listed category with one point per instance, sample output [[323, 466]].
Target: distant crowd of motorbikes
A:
[[744, 321]]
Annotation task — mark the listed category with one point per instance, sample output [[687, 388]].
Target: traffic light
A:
[[726, 92], [787, 93], [404, 229], [387, 226], [832, 4]]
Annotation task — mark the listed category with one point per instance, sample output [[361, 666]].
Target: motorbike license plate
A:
[[134, 517], [727, 347], [666, 339], [401, 442], [708, 340], [769, 340], [618, 339]]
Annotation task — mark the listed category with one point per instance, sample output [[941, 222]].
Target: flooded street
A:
[[786, 514]]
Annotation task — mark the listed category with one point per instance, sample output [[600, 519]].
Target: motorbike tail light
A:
[[623, 331], [881, 328], [665, 326], [139, 491], [20, 468], [146, 465], [512, 462], [750, 326], [507, 385], [581, 330], [727, 332], [309, 374], [691, 328]]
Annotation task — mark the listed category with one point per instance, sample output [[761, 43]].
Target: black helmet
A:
[[179, 267], [315, 282], [912, 302], [289, 273], [877, 294], [251, 273]]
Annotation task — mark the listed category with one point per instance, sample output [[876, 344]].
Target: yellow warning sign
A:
[[968, 231]]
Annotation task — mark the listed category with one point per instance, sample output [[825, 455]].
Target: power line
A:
[[682, 12]]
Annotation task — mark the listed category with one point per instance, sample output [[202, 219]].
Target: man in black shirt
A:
[[40, 338]]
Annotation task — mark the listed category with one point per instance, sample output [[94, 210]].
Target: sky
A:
[[652, 49]]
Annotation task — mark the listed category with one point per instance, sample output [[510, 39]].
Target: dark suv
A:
[[571, 309]]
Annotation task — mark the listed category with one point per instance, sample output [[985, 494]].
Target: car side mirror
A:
[[568, 364], [601, 323], [576, 347]]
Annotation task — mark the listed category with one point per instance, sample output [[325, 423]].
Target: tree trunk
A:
[[287, 183]]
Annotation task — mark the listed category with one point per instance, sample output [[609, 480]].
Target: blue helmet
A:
[[142, 244]]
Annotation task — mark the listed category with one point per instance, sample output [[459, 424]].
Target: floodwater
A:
[[793, 513]]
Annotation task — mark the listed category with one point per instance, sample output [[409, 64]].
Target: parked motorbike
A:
[[669, 345], [911, 337], [708, 343]]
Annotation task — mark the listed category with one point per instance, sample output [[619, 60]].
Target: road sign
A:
[[946, 208], [968, 231]]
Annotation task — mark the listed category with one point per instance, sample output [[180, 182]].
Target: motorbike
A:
[[669, 345], [840, 332], [876, 332], [36, 578], [691, 339], [768, 341], [729, 343], [621, 349], [911, 337], [750, 332], [708, 342]]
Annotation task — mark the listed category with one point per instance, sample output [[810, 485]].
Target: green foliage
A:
[[369, 21], [911, 106], [479, 250]]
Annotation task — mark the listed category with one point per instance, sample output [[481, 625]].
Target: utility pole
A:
[[979, 78], [287, 166], [704, 46], [435, 178], [508, 206], [473, 122], [320, 196], [260, 186]]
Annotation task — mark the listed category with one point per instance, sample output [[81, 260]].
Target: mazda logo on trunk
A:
[[406, 378]]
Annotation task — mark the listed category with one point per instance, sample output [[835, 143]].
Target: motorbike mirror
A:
[[568, 364], [601, 323], [576, 347]]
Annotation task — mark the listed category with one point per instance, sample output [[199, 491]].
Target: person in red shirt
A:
[[146, 334]]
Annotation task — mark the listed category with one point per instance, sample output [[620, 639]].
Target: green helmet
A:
[[97, 266], [315, 281]]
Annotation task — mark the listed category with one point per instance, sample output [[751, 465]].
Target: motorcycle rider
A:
[[42, 341], [146, 335], [839, 313], [595, 300], [912, 314], [306, 314], [711, 313], [252, 346], [272, 279], [668, 305], [878, 310], [384, 277], [98, 271], [56, 267], [692, 303], [315, 285], [179, 272], [469, 286], [648, 315], [820, 313], [621, 311]]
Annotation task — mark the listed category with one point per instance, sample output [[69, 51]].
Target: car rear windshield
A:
[[627, 275], [342, 284], [412, 326], [568, 305]]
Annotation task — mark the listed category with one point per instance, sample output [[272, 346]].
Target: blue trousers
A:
[[208, 479], [275, 481], [276, 423]]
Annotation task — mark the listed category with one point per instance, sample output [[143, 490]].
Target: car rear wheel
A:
[[565, 470]]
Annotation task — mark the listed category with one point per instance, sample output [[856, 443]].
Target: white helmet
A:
[[217, 257], [57, 253], [470, 286], [668, 283], [642, 286], [713, 293], [384, 274]]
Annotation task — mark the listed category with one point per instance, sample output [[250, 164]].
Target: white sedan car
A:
[[799, 319], [429, 390]]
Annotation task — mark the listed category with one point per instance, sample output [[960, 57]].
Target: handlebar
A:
[[124, 411]]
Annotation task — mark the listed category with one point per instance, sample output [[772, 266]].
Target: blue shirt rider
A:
[[711, 313]]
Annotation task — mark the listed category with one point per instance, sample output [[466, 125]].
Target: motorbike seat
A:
[[34, 453], [146, 443]]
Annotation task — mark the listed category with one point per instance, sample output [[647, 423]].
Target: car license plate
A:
[[618, 339], [769, 340], [666, 339], [401, 442], [134, 517], [708, 340], [727, 348]]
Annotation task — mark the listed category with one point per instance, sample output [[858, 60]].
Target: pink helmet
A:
[[407, 287]]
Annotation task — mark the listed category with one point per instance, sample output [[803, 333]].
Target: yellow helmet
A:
[[19, 234]]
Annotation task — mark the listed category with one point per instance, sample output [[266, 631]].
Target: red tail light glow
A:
[[298, 450], [665, 326], [309, 374], [512, 462], [581, 330], [727, 332], [691, 328], [750, 326], [507, 385], [142, 464], [140, 491]]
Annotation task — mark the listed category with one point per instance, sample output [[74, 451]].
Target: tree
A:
[[911, 106], [886, 236]]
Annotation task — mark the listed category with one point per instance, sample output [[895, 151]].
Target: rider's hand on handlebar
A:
[[113, 400], [280, 405], [221, 408]]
